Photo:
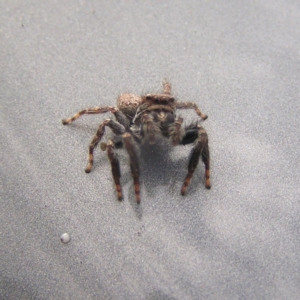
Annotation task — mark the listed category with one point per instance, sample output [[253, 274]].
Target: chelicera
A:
[[147, 118]]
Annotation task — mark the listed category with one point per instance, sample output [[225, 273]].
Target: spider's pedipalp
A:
[[201, 148], [114, 126], [134, 164]]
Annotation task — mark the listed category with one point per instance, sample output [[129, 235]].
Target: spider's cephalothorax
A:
[[147, 118]]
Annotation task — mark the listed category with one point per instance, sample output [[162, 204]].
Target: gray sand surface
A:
[[239, 61]]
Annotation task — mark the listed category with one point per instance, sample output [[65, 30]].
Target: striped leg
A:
[[90, 111], [167, 87], [205, 159], [115, 168], [114, 126], [134, 164], [182, 105], [201, 148], [176, 132]]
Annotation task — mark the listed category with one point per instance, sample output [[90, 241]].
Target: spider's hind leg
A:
[[201, 148], [117, 129]]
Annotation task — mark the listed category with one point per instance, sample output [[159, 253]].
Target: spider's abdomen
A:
[[128, 103]]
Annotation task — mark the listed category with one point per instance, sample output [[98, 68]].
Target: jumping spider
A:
[[147, 118]]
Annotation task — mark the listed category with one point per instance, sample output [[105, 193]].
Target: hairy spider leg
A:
[[122, 119], [185, 105], [201, 148], [90, 111], [176, 131], [134, 164], [115, 168], [205, 159], [167, 87], [117, 128]]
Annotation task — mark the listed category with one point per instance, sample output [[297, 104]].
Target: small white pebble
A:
[[65, 238]]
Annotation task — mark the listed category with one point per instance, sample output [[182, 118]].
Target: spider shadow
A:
[[163, 165], [156, 169], [159, 168]]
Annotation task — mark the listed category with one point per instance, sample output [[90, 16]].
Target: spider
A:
[[147, 118]]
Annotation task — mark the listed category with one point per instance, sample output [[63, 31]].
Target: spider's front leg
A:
[[120, 117], [134, 164], [167, 87], [117, 129], [185, 105], [201, 148], [90, 111]]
